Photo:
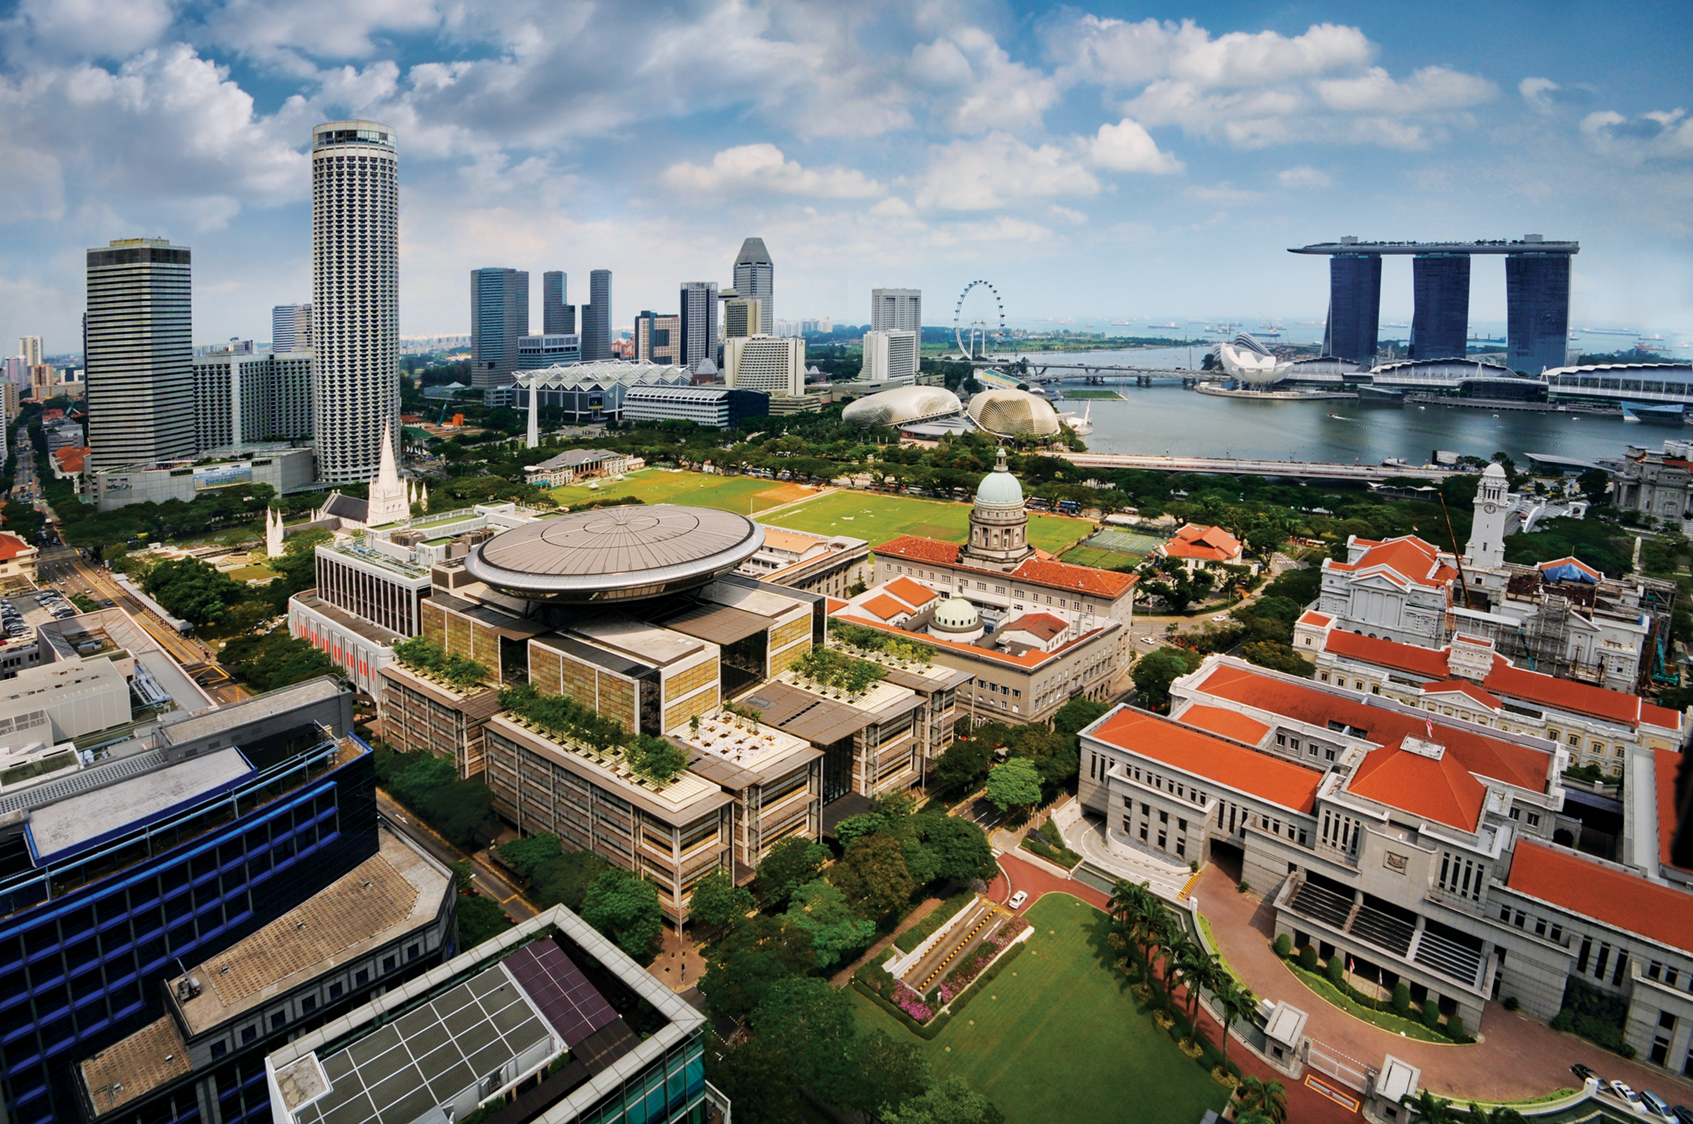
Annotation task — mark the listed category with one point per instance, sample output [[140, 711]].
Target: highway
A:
[[489, 880], [1299, 470]]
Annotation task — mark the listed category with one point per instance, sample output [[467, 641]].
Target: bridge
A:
[[1231, 466]]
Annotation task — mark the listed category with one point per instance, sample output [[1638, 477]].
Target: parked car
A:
[[1656, 1105], [1623, 1090], [1584, 1073], [1018, 899], [1683, 1114], [1220, 618]]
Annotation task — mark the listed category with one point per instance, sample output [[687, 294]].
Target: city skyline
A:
[[1217, 137]]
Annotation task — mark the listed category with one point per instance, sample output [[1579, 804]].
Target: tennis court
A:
[[1125, 542]]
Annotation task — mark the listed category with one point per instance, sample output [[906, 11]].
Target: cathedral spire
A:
[[388, 501]]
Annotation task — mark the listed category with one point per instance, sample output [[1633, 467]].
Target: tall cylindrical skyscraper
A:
[[139, 353], [355, 297]]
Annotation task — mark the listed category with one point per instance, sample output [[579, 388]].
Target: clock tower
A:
[[1486, 549]]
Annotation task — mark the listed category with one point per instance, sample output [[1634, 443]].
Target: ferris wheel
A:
[[979, 319]]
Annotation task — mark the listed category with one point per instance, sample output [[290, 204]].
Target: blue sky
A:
[[1094, 160]]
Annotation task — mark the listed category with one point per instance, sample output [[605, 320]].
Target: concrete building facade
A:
[[499, 317], [242, 400], [773, 364], [138, 339]]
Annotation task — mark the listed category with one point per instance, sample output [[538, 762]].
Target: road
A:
[[1300, 470], [489, 879]]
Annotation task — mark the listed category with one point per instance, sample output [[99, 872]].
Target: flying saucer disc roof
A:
[[616, 552]]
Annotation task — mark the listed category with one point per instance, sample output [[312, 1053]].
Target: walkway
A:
[[1516, 1059]]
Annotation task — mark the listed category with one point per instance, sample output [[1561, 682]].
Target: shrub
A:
[[1455, 1029], [1431, 1012], [1244, 887], [1308, 958], [1511, 1003], [1193, 865], [1337, 968], [1401, 998], [1284, 945]]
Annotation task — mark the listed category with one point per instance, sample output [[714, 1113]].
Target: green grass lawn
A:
[[1103, 559], [878, 518], [1057, 1037], [1110, 394], [654, 485]]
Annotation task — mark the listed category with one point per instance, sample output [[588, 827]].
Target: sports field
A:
[[1126, 541], [747, 495], [1101, 559], [1058, 1037], [877, 518]]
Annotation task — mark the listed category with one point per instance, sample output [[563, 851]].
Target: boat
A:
[[1337, 417]]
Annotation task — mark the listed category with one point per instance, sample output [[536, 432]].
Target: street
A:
[[489, 880]]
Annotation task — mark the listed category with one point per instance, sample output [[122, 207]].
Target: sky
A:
[[1094, 161]]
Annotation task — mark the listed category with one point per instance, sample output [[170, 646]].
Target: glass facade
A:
[[1440, 323], [499, 318], [1537, 311], [669, 1091], [1354, 307], [86, 943]]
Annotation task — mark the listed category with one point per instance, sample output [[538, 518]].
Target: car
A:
[[1683, 1114], [1623, 1090], [1220, 618], [1018, 899], [1148, 640], [1585, 1073], [1656, 1105]]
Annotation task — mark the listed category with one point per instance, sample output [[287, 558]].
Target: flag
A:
[[1429, 722], [1349, 967]]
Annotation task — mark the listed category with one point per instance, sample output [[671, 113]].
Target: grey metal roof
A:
[[85, 780], [615, 548], [83, 818], [753, 253], [818, 720], [719, 624]]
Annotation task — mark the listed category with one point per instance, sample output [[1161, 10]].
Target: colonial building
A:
[[1201, 548], [1659, 484], [826, 564]]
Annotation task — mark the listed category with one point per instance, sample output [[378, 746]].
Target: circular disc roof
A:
[[615, 553]]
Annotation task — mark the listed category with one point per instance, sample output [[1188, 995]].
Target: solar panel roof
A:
[[559, 989]]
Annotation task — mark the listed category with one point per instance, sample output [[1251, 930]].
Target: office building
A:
[[527, 1027], [274, 794], [897, 310], [755, 277], [1537, 310], [242, 400], [769, 363], [29, 350], [596, 318], [1354, 307], [355, 296], [1658, 483], [1440, 323], [658, 339], [716, 406], [740, 315], [287, 468], [499, 317], [830, 565], [291, 327], [890, 356], [557, 317], [9, 401], [698, 324], [140, 354], [536, 352]]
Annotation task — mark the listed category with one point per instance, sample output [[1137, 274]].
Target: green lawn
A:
[[654, 485], [878, 518], [1057, 1037], [1103, 559], [1110, 394]]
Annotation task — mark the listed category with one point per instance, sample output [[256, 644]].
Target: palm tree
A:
[[1427, 1108], [1234, 1002], [1266, 1099], [1500, 1114], [1161, 933], [1198, 968]]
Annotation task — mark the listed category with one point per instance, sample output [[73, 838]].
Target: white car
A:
[[1621, 1089], [1018, 899], [1220, 618]]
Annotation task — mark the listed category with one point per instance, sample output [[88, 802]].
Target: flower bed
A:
[[967, 969]]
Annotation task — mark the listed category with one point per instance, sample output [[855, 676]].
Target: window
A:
[[248, 1034], [336, 989], [414, 951], [308, 1004], [1666, 1020], [219, 1049], [278, 1020], [1534, 819], [361, 977]]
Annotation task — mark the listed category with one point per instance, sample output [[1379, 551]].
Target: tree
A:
[[1499, 1114], [564, 879], [1198, 969], [1076, 714], [716, 900], [1133, 906], [1430, 1109], [756, 1075], [625, 909], [873, 876], [820, 910], [820, 1028], [1234, 1002], [463, 812], [1267, 1098], [790, 864], [950, 1102], [855, 827], [1014, 783], [1594, 482], [890, 1073], [961, 849], [479, 919], [964, 763], [297, 564], [192, 590], [1153, 674], [524, 855], [1278, 657], [748, 958]]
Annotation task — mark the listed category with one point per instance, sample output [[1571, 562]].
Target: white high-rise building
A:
[[29, 350], [769, 363], [242, 400], [890, 355], [355, 297], [291, 327], [897, 308], [755, 277], [140, 353], [740, 315]]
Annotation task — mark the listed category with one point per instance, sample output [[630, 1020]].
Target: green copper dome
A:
[[999, 488]]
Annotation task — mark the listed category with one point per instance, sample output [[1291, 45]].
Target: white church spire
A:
[[388, 501]]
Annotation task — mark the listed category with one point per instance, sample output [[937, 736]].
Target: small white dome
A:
[[957, 615], [1494, 470], [999, 488]]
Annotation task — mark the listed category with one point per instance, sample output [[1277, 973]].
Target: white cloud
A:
[[1545, 96], [894, 207], [1222, 193], [1117, 53], [324, 29], [89, 29], [1128, 147], [977, 85], [1066, 214], [1660, 134], [762, 167], [987, 174], [1303, 176], [1429, 89]]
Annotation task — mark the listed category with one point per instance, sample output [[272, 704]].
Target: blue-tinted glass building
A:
[[499, 317], [1440, 321], [1354, 307], [114, 876], [1537, 311]]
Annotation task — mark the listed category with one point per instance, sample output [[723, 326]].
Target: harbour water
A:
[[1167, 418]]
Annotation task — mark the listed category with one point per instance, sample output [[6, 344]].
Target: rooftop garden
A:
[[459, 672], [653, 758], [880, 643], [837, 671]]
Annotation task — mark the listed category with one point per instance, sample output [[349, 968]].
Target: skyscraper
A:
[[139, 353], [740, 316], [29, 349], [896, 310], [355, 296], [596, 317], [890, 353], [1537, 310], [755, 277], [499, 317], [773, 364], [1354, 307], [658, 339], [557, 317], [698, 324], [291, 327], [1440, 320]]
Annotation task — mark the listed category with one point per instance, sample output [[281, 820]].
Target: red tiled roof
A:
[[1312, 617], [1388, 653], [884, 607], [1563, 694], [1664, 764], [1076, 579], [1212, 544], [72, 458], [1043, 625], [923, 550], [1245, 770], [1492, 757], [1463, 687], [1662, 717], [912, 593], [1408, 556], [1224, 723], [1028, 660], [11, 546], [1604, 893], [1443, 790]]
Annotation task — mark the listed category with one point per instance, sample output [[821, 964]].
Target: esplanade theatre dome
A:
[[902, 406], [615, 553], [1014, 413]]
